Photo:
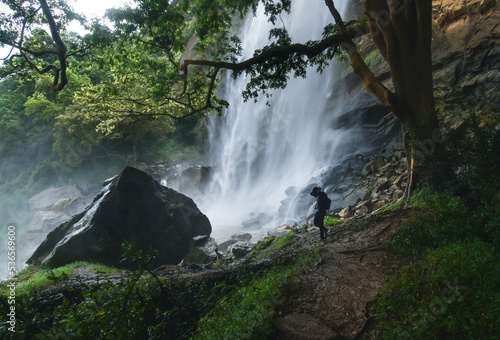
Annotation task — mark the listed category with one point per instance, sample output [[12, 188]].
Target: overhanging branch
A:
[[283, 51]]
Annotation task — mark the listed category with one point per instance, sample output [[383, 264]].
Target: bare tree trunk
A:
[[402, 31]]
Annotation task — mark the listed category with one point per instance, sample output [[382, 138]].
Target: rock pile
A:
[[384, 180]]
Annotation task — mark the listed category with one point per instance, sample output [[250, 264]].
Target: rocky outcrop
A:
[[237, 245], [383, 181], [132, 207], [192, 181], [48, 198], [466, 50]]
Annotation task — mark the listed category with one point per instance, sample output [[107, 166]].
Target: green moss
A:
[[34, 277], [371, 59], [270, 246], [393, 206], [441, 220], [331, 221]]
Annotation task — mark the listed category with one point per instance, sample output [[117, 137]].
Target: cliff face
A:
[[466, 52]]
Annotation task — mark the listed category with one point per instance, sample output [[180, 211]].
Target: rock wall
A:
[[466, 53]]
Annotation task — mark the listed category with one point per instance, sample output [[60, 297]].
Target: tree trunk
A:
[[402, 31]]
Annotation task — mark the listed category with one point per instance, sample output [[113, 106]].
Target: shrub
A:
[[442, 219], [452, 293]]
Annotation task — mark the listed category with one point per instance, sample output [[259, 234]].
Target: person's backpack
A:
[[324, 201]]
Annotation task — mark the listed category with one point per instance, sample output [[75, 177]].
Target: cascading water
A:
[[260, 152]]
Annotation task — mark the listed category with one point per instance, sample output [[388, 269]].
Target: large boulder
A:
[[132, 207]]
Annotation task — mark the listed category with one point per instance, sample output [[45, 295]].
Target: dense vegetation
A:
[[447, 287], [230, 302], [449, 283]]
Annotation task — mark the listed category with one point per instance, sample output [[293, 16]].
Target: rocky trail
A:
[[332, 303]]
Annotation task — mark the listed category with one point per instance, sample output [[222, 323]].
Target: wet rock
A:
[[374, 166], [382, 184], [200, 240], [241, 249], [242, 237], [134, 208], [45, 221], [202, 251], [347, 212], [192, 180], [224, 244], [46, 199]]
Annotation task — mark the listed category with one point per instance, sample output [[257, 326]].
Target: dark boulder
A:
[[132, 207]]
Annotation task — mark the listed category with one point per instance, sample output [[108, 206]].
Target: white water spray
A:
[[258, 151]]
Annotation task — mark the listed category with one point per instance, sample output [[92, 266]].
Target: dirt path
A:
[[332, 304]]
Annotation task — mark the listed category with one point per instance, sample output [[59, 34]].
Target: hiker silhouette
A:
[[322, 205]]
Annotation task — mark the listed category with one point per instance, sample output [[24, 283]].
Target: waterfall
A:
[[259, 153]]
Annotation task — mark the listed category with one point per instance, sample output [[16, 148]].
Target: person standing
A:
[[322, 205]]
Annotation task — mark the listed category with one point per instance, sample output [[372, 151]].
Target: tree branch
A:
[[283, 51], [372, 84], [61, 48]]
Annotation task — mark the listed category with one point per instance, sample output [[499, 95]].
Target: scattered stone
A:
[[242, 237], [347, 212], [201, 252], [241, 249], [279, 231], [224, 244]]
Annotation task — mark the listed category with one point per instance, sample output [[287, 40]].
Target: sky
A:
[[93, 8], [90, 8]]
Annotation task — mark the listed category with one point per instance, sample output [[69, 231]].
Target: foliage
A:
[[449, 286], [25, 27], [249, 311], [400, 204], [453, 292], [144, 305], [467, 163], [444, 220]]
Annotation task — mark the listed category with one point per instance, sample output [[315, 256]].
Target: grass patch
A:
[[331, 221], [35, 277], [450, 287], [442, 220], [270, 246], [248, 312], [453, 293], [393, 206]]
